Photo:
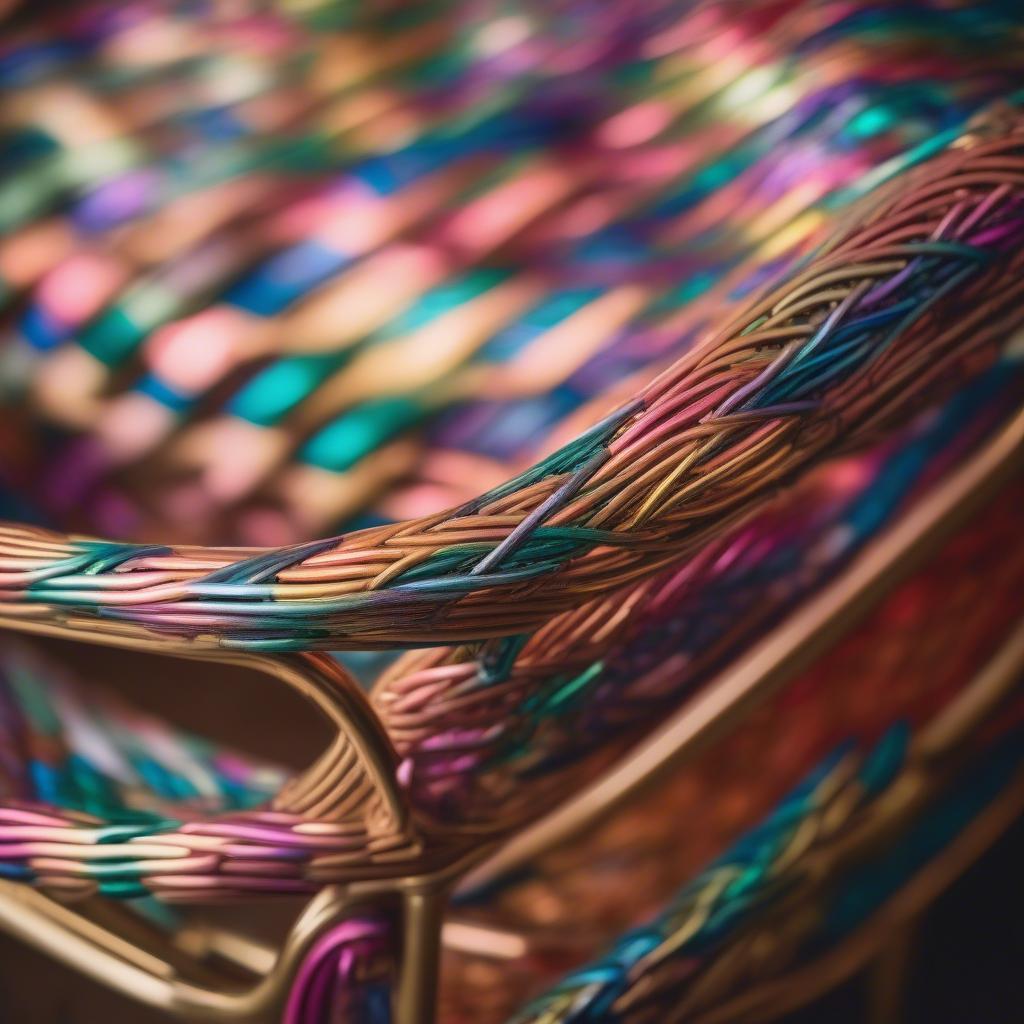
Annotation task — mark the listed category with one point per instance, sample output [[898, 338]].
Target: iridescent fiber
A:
[[479, 747], [708, 911], [249, 265], [958, 608], [848, 345], [664, 970], [568, 347]]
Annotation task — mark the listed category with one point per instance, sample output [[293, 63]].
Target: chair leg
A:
[[888, 977], [422, 911]]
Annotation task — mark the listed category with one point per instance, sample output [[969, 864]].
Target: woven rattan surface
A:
[[570, 363]]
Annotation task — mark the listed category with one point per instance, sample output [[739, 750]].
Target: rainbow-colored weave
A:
[[821, 362], [848, 344], [692, 832], [226, 230], [568, 348]]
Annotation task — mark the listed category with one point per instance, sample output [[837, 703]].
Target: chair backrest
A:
[[573, 360]]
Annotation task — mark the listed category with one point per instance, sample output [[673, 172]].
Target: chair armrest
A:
[[923, 288]]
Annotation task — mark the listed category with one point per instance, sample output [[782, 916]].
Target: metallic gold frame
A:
[[112, 945]]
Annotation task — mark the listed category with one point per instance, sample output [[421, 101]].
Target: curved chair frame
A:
[[164, 980], [716, 409]]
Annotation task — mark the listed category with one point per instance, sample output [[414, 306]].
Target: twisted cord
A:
[[96, 800], [655, 963], [923, 287], [481, 739]]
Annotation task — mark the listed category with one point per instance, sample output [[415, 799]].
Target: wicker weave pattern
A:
[[820, 364], [484, 755], [480, 749], [692, 954], [270, 270], [632, 975], [702, 448], [516, 219], [704, 946]]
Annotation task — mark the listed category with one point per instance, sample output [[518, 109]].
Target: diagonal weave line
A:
[[655, 503]]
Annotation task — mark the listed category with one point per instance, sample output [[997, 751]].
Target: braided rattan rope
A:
[[808, 370], [922, 289], [959, 608], [481, 740], [455, 740]]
